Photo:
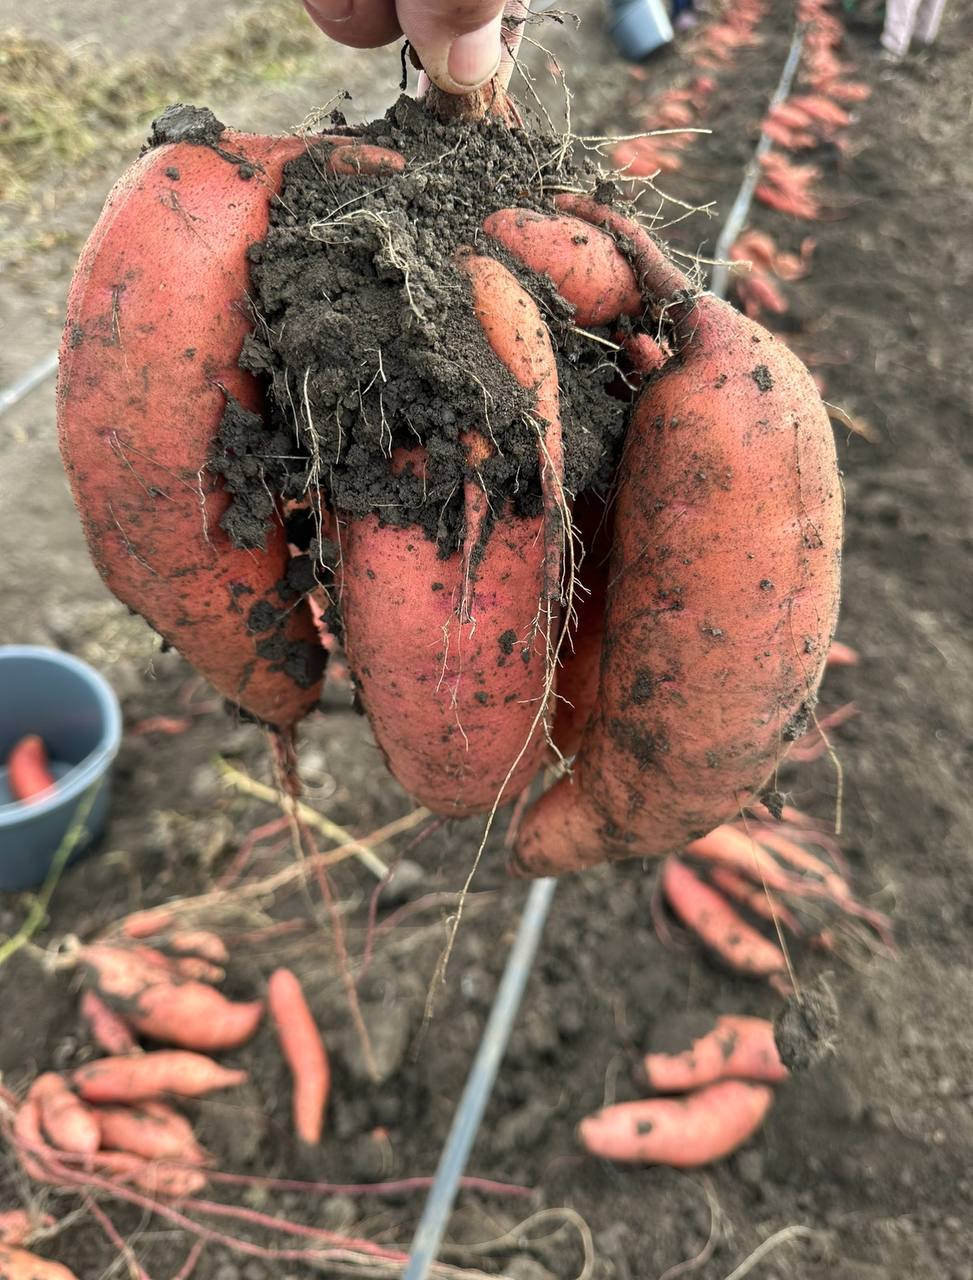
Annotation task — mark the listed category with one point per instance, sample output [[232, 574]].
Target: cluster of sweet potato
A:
[[673, 649]]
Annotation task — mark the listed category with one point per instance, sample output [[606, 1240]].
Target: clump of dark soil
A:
[[366, 338]]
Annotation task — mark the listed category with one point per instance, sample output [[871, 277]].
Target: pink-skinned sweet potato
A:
[[157, 317], [723, 586]]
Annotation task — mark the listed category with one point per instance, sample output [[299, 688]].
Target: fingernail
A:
[[474, 57], [330, 10]]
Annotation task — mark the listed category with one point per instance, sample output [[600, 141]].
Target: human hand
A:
[[461, 46]]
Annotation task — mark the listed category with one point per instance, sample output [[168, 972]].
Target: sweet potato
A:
[[143, 924], [683, 1132], [760, 902], [28, 771], [722, 930], [18, 1225], [68, 1122], [18, 1264], [153, 1130], [723, 587], [304, 1051], [451, 657], [599, 283], [135, 1078], [156, 320], [198, 942], [737, 1047], [109, 1030], [160, 1004]]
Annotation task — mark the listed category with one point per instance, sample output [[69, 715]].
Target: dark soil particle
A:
[[763, 378], [366, 339], [183, 123], [806, 1028]]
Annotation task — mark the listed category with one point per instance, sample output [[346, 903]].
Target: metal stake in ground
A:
[[741, 205], [479, 1084]]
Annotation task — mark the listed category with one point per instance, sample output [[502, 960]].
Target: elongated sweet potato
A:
[[303, 1048], [153, 1075], [737, 1047], [723, 587], [722, 929], [452, 657], [153, 1130], [156, 320], [683, 1132], [28, 771]]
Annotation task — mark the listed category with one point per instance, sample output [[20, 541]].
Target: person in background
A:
[[683, 15], [908, 20]]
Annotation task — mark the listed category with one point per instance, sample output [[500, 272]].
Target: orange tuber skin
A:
[[138, 1077], [723, 587], [301, 1044], [153, 1131], [737, 1046], [724, 932], [153, 998], [108, 1029], [598, 281], [451, 656], [68, 1123], [18, 1225], [156, 320], [682, 1132], [28, 772]]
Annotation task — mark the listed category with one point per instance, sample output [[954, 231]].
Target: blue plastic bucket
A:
[[76, 713], [639, 27]]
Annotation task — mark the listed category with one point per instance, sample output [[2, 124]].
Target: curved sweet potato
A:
[[582, 262], [156, 320], [682, 1132], [723, 588], [736, 1046]]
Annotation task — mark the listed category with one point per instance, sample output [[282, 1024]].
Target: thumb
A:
[[459, 45]]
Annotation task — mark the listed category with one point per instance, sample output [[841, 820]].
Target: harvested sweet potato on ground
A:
[[159, 1003], [303, 1048], [152, 1130], [68, 1122], [153, 1075], [684, 1132], [737, 1047]]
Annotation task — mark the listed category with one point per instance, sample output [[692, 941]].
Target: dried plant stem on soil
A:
[[519, 1237], [356, 848], [795, 1232]]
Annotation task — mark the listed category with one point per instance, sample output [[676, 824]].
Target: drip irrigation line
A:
[[34, 376], [751, 175], [479, 1083]]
